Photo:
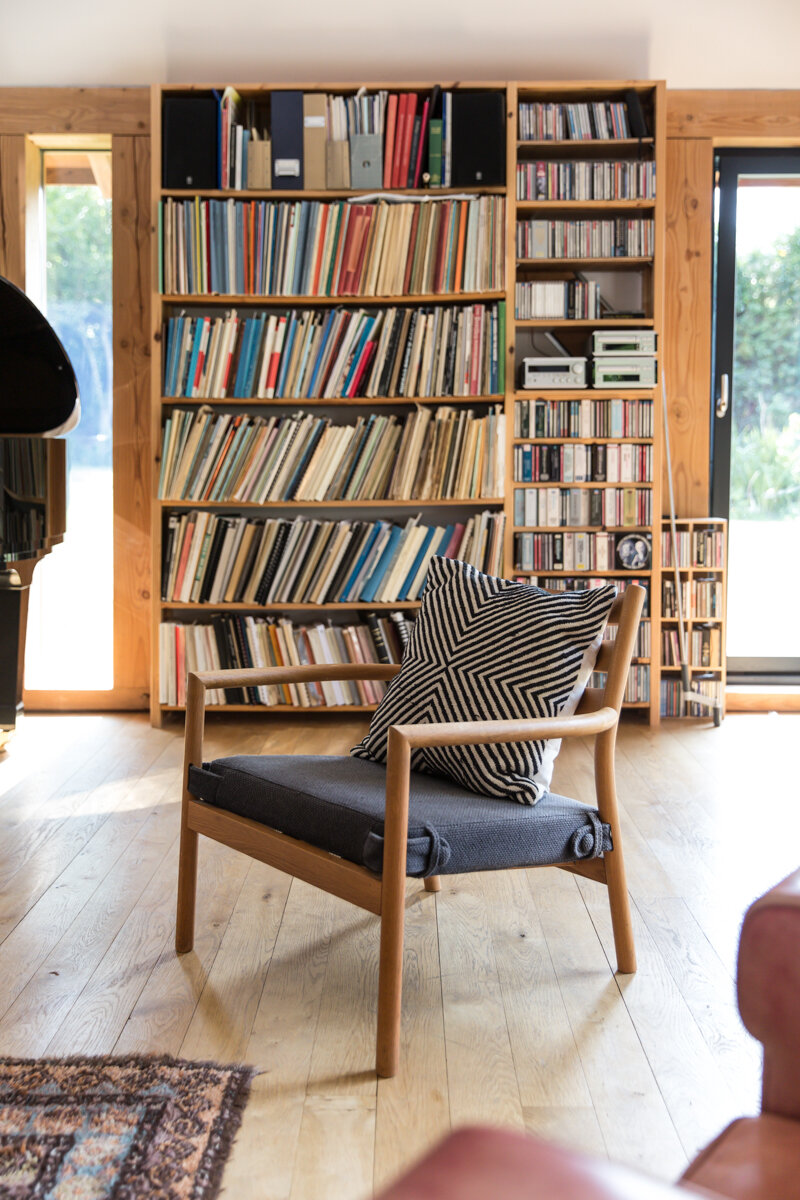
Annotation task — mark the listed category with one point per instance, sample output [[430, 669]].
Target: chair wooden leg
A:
[[187, 891], [432, 883], [620, 913], [187, 863], [614, 862], [393, 906]]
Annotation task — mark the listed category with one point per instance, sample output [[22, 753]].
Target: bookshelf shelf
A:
[[590, 573], [582, 528], [277, 708], [326, 193], [590, 441], [598, 323], [355, 606], [292, 301], [334, 402], [538, 483], [606, 206], [324, 505], [633, 283], [584, 144], [609, 264]]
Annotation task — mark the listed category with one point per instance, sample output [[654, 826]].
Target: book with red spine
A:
[[408, 133], [399, 138], [388, 144], [423, 133]]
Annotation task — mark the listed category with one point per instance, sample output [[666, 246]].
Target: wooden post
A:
[[393, 896], [187, 865]]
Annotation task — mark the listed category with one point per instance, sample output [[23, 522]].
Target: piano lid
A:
[[38, 388]]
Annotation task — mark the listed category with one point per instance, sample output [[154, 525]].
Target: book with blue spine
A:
[[291, 330], [373, 582], [423, 553], [344, 594]]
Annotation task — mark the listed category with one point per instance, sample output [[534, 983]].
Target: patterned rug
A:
[[127, 1128]]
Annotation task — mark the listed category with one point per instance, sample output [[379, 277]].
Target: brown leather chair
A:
[[755, 1158]]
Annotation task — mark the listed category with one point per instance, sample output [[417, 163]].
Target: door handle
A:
[[724, 395]]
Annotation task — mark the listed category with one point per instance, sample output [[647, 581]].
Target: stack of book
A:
[[568, 300], [582, 506], [564, 551], [223, 559], [245, 641], [672, 704], [598, 120], [702, 548], [447, 453], [343, 248], [339, 352], [700, 598], [599, 180], [619, 237], [604, 462], [583, 418]]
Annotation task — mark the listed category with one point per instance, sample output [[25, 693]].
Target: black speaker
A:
[[189, 140], [479, 139]]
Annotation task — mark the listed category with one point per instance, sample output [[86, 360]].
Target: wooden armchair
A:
[[357, 829]]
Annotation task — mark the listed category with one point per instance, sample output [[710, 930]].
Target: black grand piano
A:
[[38, 403]]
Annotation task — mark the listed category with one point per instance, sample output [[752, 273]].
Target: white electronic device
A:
[[554, 372], [623, 341], [624, 372]]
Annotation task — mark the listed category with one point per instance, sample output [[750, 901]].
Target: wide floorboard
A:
[[513, 1013]]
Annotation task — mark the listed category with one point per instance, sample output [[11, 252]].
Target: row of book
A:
[[594, 120], [600, 180], [603, 462], [705, 647], [339, 352], [579, 583], [341, 248], [582, 506], [23, 466], [672, 704], [574, 551], [223, 559], [617, 237], [431, 454], [394, 140], [583, 418], [700, 599], [696, 548], [637, 686], [641, 644], [570, 300], [244, 641]]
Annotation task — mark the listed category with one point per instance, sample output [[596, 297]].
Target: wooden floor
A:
[[512, 1011]]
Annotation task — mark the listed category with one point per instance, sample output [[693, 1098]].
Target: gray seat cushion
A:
[[337, 804]]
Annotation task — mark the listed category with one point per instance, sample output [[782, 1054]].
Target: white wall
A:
[[690, 43]]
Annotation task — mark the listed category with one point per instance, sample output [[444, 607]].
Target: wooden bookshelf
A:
[[643, 272], [698, 615], [647, 268]]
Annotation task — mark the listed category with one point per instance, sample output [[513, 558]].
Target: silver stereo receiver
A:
[[554, 372], [623, 341], [625, 372]]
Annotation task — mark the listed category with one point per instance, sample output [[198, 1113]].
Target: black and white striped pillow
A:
[[484, 648]]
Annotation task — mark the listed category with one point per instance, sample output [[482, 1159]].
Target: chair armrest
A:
[[768, 984], [474, 1163], [316, 672], [470, 733]]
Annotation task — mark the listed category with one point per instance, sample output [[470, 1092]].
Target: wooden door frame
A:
[[698, 123], [124, 114]]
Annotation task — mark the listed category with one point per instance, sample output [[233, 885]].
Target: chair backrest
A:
[[614, 657]]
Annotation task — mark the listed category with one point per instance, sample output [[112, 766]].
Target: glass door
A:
[[756, 414]]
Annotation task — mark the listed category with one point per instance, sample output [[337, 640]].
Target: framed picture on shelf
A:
[[633, 551]]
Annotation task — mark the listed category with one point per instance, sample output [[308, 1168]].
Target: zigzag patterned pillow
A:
[[488, 649]]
